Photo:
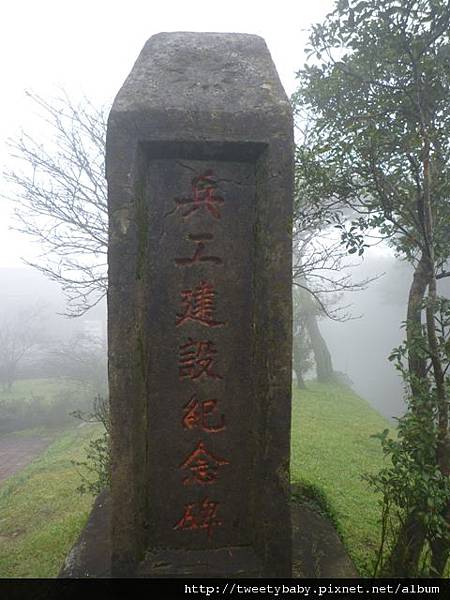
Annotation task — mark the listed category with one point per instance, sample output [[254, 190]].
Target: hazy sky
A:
[[89, 47]]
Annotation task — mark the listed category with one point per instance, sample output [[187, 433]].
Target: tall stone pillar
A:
[[200, 184]]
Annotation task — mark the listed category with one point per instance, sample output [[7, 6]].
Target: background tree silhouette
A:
[[59, 189]]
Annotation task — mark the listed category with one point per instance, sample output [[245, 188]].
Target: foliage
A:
[[382, 81], [412, 482], [96, 468], [377, 160]]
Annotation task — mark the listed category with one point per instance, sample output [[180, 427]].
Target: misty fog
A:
[[50, 365], [360, 345]]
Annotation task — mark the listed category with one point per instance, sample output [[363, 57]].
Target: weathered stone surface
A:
[[200, 174], [91, 555], [317, 551]]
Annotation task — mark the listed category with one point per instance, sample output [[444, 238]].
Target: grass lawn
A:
[[41, 514], [331, 448]]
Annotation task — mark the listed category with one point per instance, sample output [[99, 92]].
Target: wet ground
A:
[[16, 451]]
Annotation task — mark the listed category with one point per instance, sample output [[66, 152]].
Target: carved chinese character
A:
[[198, 305], [197, 415], [203, 466], [196, 359], [204, 188], [199, 254], [200, 516]]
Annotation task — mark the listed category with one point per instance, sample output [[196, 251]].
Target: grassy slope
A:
[[41, 514], [331, 448]]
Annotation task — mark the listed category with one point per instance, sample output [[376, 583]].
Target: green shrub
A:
[[95, 470]]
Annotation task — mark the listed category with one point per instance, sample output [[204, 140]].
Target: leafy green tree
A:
[[377, 158]]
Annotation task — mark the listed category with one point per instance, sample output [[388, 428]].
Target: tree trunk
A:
[[322, 356], [403, 560], [300, 381], [439, 554], [412, 537], [405, 555], [416, 361], [297, 362], [439, 546]]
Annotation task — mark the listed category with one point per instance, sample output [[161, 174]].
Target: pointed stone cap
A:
[[215, 101], [200, 87], [228, 72]]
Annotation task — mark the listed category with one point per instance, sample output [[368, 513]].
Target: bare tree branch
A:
[[59, 189]]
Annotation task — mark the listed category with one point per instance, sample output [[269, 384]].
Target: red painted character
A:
[[203, 466], [204, 188], [200, 516], [196, 360], [197, 415], [199, 254], [199, 306]]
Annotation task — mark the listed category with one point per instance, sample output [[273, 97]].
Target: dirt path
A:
[[17, 451]]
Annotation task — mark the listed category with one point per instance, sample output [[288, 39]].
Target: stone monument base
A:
[[316, 551], [91, 555]]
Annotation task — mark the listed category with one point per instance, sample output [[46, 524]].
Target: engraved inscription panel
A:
[[200, 441]]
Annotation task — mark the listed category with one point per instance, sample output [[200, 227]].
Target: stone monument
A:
[[199, 163]]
